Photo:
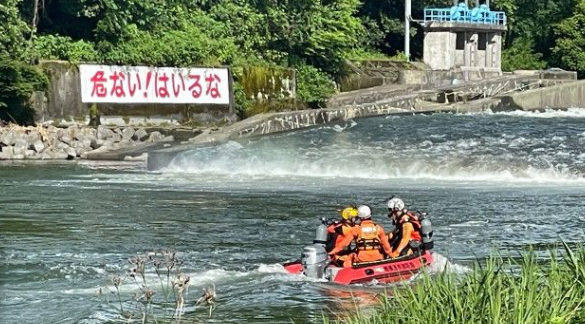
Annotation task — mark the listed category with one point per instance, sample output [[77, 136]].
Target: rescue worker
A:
[[371, 242], [406, 237], [338, 232]]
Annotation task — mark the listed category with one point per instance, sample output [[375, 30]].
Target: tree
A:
[[521, 56], [12, 31], [569, 48]]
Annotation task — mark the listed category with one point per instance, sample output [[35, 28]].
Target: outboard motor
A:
[[427, 233], [315, 257], [321, 234]]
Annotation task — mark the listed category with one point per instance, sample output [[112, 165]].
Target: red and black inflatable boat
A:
[[315, 262], [385, 271]]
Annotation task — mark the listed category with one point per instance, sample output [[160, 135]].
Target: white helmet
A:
[[364, 212], [396, 204]]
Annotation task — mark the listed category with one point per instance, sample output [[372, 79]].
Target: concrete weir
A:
[[526, 92]]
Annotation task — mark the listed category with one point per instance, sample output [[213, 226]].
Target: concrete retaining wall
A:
[[564, 95], [62, 103]]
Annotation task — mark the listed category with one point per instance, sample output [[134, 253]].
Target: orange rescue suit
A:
[[408, 229], [370, 239], [340, 230]]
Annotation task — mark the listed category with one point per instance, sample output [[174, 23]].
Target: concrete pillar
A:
[[407, 14]]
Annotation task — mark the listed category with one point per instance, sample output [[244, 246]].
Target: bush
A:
[[521, 56], [242, 102], [502, 291], [314, 86], [18, 81], [57, 47]]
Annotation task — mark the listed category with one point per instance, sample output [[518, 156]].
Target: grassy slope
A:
[[502, 291]]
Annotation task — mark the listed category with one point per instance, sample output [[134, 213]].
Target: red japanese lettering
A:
[[213, 87], [148, 78], [118, 88], [99, 89], [195, 88], [162, 91], [132, 87], [177, 87]]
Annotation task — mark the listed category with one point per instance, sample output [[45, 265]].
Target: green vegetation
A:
[[313, 36], [18, 81], [504, 290]]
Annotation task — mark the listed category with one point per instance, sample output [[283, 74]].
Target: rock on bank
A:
[[53, 143]]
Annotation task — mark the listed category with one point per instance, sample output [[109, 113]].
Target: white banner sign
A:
[[141, 84]]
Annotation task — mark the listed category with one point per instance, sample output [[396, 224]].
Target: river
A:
[[490, 181]]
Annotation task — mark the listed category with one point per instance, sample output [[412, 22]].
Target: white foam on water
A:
[[441, 264], [271, 268], [378, 170], [471, 224], [547, 113]]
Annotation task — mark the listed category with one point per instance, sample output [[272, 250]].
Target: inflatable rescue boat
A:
[[315, 263]]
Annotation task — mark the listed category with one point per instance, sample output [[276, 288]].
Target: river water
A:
[[491, 181]]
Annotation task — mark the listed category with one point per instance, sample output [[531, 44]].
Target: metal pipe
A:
[[407, 13]]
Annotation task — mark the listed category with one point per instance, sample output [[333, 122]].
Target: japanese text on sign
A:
[[141, 84]]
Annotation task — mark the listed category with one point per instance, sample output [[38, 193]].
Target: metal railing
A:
[[481, 15]]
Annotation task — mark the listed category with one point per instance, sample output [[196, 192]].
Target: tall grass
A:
[[503, 290]]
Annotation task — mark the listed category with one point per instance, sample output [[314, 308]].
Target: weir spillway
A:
[[517, 92]]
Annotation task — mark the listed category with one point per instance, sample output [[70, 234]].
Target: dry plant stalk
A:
[[144, 301]]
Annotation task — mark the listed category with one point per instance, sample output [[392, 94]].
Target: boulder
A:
[[33, 136], [61, 146], [21, 140], [155, 136], [38, 146], [127, 143], [54, 154], [71, 153], [128, 133], [107, 145], [140, 134], [19, 150], [66, 138], [116, 137], [7, 153], [30, 155], [8, 137], [104, 133], [169, 138]]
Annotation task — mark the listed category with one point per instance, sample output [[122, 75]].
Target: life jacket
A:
[[368, 238], [413, 219], [335, 231]]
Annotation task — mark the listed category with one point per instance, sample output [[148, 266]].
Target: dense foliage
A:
[[17, 83], [312, 35], [503, 290]]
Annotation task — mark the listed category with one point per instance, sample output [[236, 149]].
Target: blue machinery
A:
[[463, 14]]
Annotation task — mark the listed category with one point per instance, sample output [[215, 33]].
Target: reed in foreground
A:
[[502, 290]]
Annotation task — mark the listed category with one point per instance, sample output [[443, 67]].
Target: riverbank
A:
[[74, 142], [504, 290]]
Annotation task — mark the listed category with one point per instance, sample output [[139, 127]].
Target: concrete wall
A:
[[440, 45], [566, 95], [439, 50], [63, 105], [63, 100]]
